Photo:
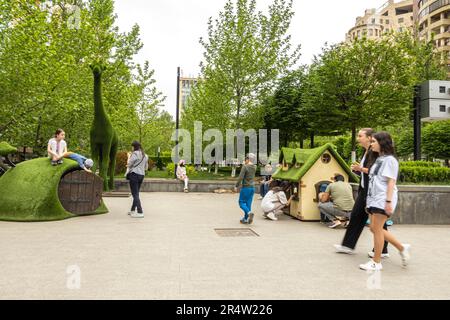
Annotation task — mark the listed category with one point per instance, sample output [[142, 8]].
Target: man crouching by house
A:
[[337, 200]]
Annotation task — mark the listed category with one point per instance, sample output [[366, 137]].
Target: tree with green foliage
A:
[[45, 53], [436, 140], [245, 52], [366, 83], [284, 110]]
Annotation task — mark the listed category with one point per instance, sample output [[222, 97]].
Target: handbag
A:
[[128, 171]]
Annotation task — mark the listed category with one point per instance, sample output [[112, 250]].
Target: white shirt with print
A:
[[56, 147], [376, 195]]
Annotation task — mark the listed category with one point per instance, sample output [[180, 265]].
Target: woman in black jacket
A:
[[359, 215]]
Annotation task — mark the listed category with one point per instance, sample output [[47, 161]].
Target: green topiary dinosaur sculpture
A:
[[104, 139]]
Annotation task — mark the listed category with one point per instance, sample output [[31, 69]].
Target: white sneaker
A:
[[335, 224], [342, 249], [371, 266], [186, 190], [271, 216], [405, 254], [371, 254], [136, 215], [130, 212]]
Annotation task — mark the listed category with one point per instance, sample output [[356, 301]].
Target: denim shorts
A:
[[374, 210]]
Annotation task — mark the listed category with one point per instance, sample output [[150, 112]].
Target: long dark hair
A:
[[58, 131], [371, 156], [137, 146], [386, 144]]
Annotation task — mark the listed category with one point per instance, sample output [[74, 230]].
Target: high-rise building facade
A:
[[186, 86], [391, 16], [433, 21]]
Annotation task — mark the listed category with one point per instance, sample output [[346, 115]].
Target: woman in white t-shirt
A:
[[275, 201], [57, 147], [382, 199]]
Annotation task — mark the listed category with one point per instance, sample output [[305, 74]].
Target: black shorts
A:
[[374, 210]]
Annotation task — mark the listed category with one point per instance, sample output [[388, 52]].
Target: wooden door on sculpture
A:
[[80, 192]]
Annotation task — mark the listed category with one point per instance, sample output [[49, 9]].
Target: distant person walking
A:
[[137, 165], [382, 200], [359, 216], [56, 147], [247, 179]]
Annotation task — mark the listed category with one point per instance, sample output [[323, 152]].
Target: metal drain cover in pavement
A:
[[237, 232]]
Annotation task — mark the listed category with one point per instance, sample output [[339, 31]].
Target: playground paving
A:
[[175, 253]]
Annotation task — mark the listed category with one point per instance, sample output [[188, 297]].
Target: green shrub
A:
[[424, 174], [121, 162], [420, 164], [164, 160]]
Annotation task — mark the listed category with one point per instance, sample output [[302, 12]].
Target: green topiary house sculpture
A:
[[29, 192]]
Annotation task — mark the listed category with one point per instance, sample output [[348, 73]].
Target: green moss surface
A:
[[29, 192], [6, 148]]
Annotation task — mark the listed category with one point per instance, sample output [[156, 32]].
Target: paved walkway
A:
[[174, 253]]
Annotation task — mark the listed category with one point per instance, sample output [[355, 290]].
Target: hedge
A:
[[428, 164], [423, 172]]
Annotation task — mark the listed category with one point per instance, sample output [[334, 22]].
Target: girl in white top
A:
[[182, 175], [382, 199], [57, 147], [275, 201]]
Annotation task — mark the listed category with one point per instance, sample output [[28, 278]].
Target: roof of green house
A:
[[306, 159]]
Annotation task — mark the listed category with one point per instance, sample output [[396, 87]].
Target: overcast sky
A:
[[170, 31]]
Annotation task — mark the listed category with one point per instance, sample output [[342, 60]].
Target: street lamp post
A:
[[417, 124], [177, 122]]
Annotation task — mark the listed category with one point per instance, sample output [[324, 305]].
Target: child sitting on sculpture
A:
[[57, 147], [84, 163]]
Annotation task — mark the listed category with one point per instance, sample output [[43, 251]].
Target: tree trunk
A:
[[312, 140], [37, 140]]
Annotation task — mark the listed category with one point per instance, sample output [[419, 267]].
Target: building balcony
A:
[[439, 23], [443, 35]]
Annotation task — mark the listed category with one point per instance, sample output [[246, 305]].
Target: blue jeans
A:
[[245, 200], [264, 188]]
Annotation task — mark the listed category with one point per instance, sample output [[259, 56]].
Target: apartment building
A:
[[186, 86], [433, 20], [393, 15]]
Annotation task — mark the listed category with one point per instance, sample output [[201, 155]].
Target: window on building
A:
[[381, 21], [373, 21], [400, 29], [387, 21], [441, 89], [370, 33], [400, 20], [442, 108]]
